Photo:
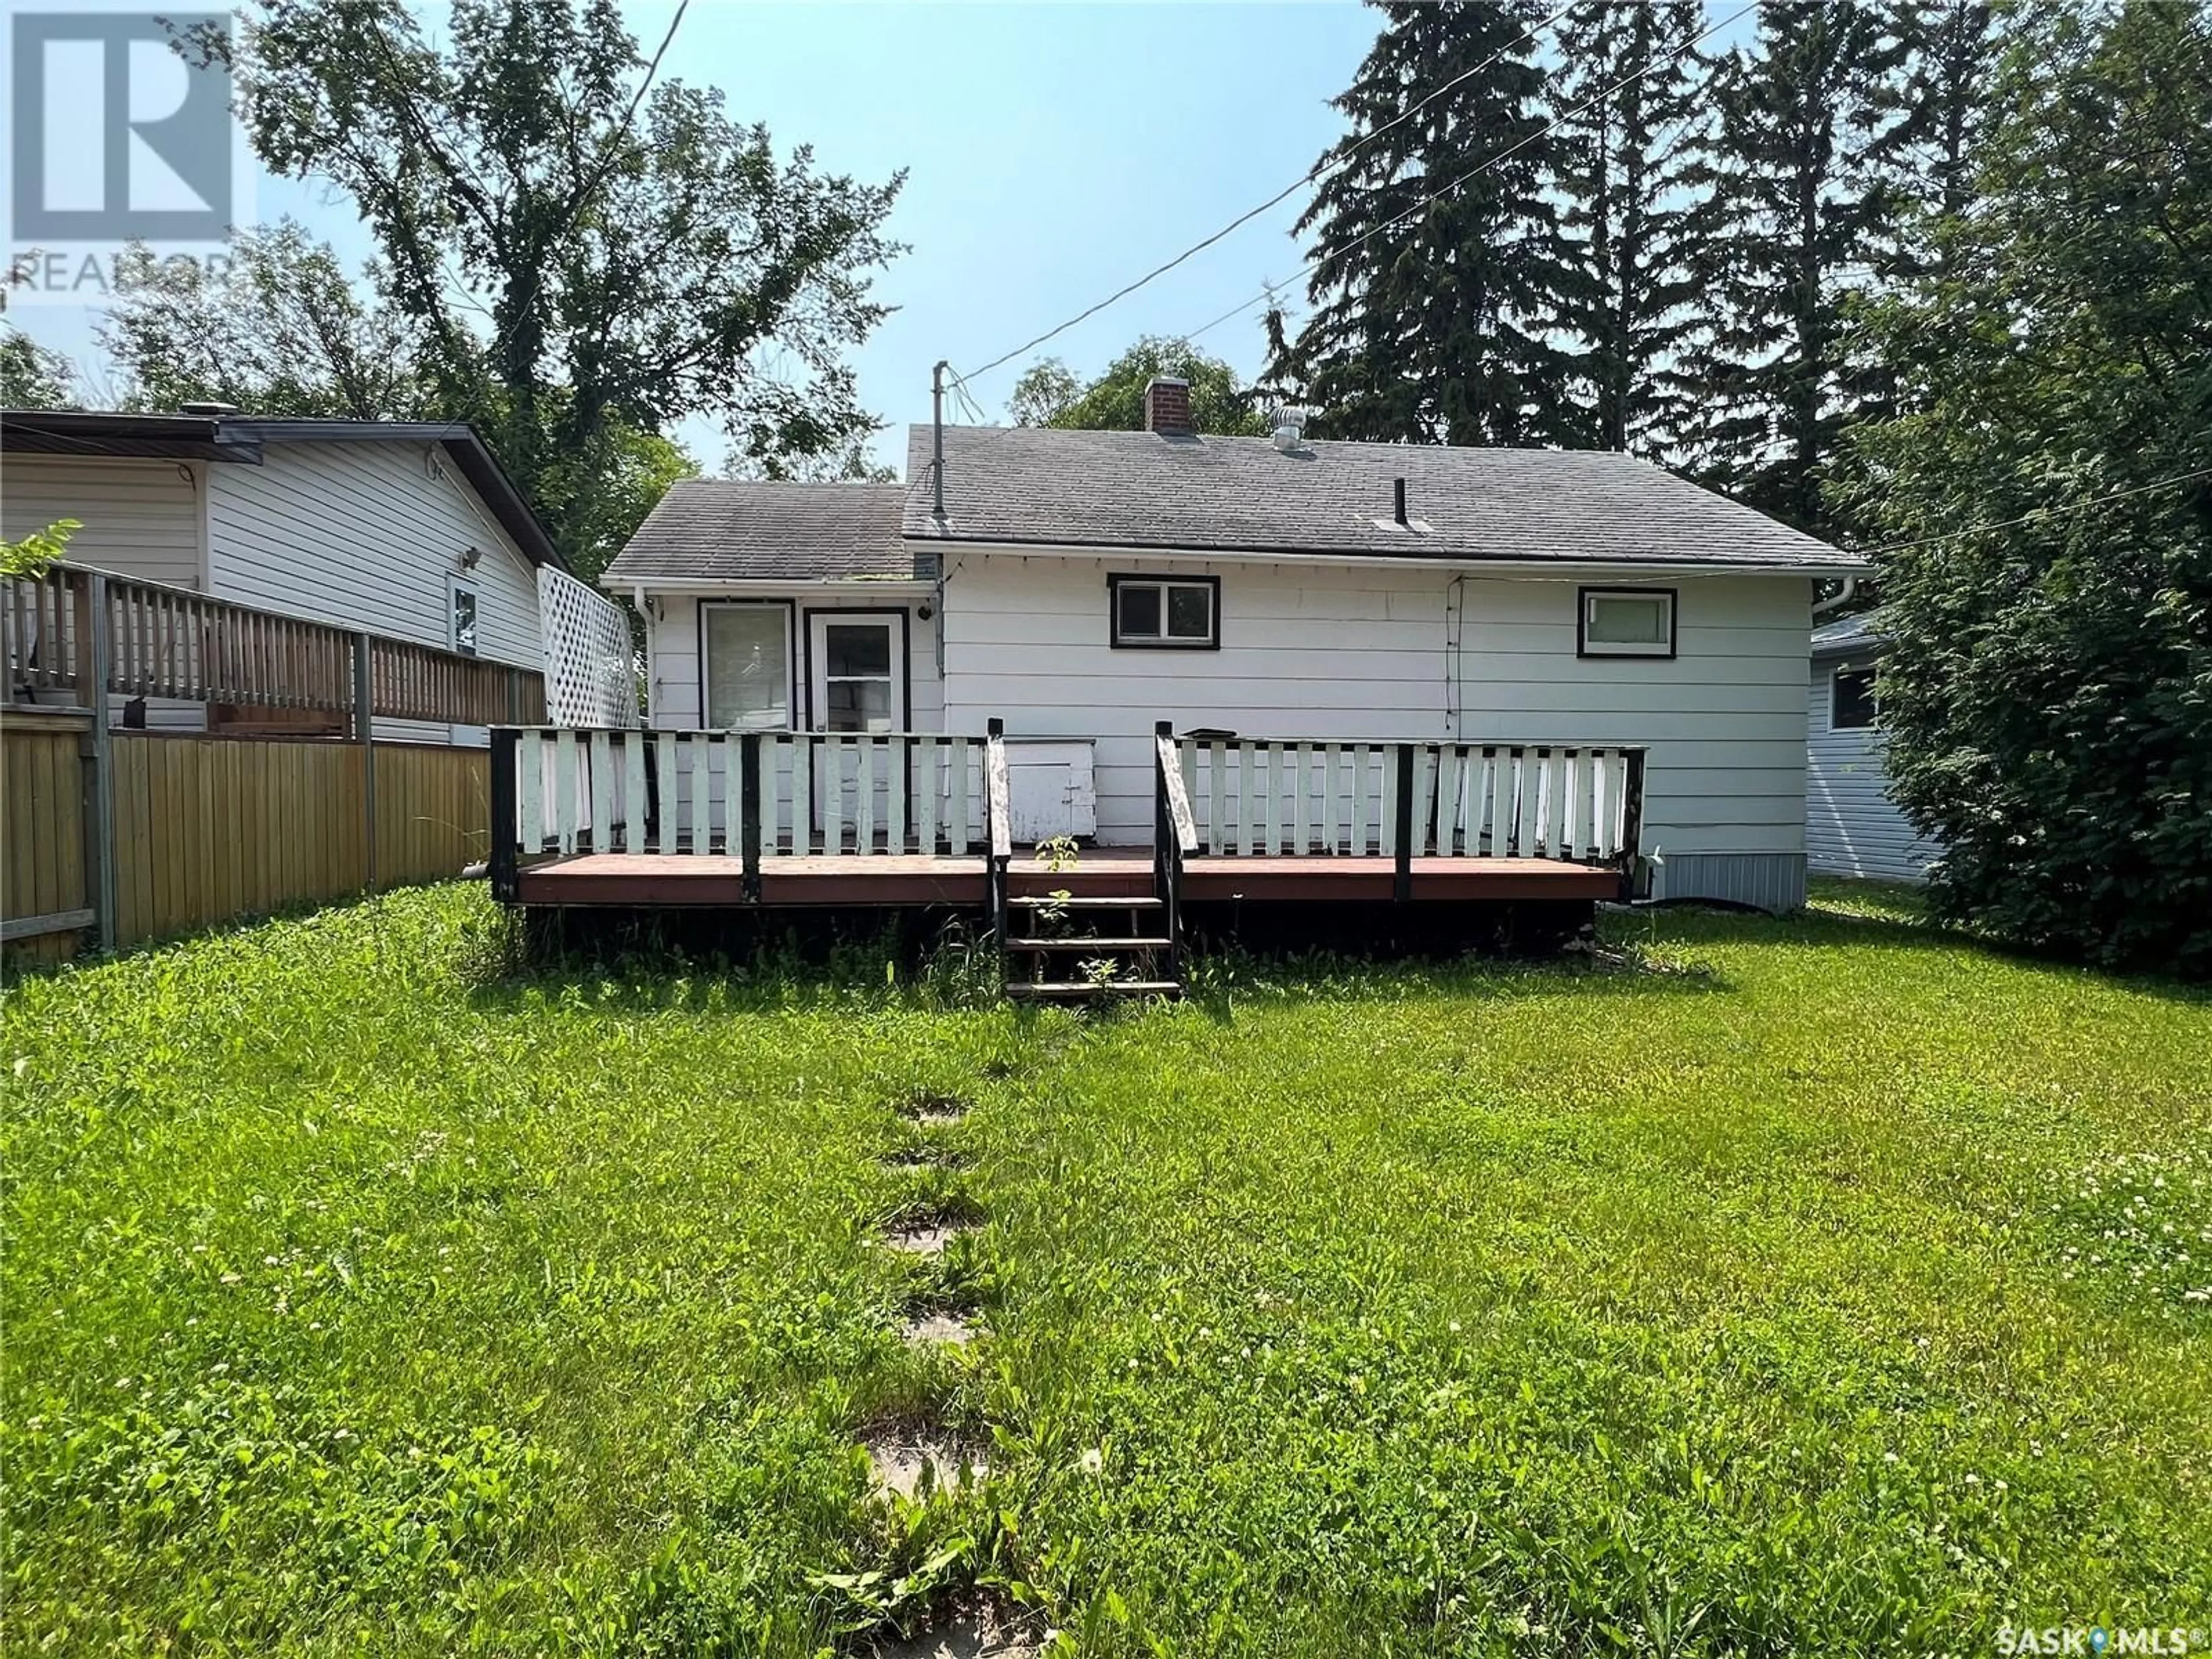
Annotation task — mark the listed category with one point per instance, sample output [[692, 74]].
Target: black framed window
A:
[[1165, 612], [1851, 702], [1624, 622], [746, 652]]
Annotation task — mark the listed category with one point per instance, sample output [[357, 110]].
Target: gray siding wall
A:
[[366, 535], [1851, 827], [141, 518]]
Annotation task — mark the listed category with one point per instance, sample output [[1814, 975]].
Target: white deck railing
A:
[[1288, 796], [695, 792]]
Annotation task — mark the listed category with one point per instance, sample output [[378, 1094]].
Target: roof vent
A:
[[1290, 427], [207, 408]]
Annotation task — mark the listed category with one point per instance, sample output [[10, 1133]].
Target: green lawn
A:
[[1823, 1286]]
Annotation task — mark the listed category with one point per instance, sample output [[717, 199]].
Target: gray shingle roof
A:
[[1141, 490], [1848, 634], [705, 529]]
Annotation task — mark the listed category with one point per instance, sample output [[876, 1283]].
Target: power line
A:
[[1326, 164], [2042, 513], [1481, 166]]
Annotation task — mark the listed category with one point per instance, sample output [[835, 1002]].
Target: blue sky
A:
[[1053, 151]]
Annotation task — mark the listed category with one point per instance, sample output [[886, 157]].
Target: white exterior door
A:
[[859, 672], [857, 662]]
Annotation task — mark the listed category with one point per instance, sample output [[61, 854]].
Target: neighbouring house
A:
[[1083, 586], [1852, 828], [410, 530]]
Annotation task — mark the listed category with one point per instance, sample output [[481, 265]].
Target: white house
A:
[[1083, 585], [1852, 828], [408, 529]]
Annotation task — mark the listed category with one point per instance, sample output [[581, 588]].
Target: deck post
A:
[[1168, 838], [998, 833], [1403, 888], [1632, 820], [364, 734], [96, 649], [749, 792], [505, 825]]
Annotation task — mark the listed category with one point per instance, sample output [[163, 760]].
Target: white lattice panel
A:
[[591, 666]]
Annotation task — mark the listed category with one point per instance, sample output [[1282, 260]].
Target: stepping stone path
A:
[[971, 1625]]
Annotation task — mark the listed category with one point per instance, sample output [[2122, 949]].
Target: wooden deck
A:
[[651, 881]]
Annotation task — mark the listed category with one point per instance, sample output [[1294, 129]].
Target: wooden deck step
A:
[[1044, 901], [1083, 988], [1088, 943]]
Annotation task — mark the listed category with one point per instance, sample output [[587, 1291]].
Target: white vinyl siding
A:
[[365, 536], [1725, 777], [1309, 650], [1851, 827], [675, 682]]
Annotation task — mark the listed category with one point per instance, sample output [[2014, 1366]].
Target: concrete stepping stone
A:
[[925, 1234], [935, 1111], [940, 1325], [900, 1457]]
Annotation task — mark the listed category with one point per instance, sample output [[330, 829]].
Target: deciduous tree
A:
[[1049, 394], [2048, 693]]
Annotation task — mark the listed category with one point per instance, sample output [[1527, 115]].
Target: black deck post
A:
[[748, 836], [1631, 820], [506, 826], [1404, 888], [1167, 848], [995, 866]]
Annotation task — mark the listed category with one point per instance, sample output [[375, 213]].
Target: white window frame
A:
[[456, 586], [1164, 641], [781, 608], [818, 624], [1836, 698], [1657, 650]]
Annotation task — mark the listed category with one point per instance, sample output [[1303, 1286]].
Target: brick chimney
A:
[[1167, 406]]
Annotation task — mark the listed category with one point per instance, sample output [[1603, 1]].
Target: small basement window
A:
[[462, 615], [1183, 613], [1626, 622], [1852, 703]]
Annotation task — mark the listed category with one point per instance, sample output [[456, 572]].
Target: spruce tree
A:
[[1630, 97], [1948, 105], [1435, 321], [1804, 181]]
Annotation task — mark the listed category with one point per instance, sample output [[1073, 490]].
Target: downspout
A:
[[1822, 607], [1455, 622]]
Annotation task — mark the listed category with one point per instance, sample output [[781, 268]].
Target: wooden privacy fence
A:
[[130, 834], [1252, 797]]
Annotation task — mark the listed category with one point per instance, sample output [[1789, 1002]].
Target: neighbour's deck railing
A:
[[69, 627], [1251, 797], [796, 793]]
